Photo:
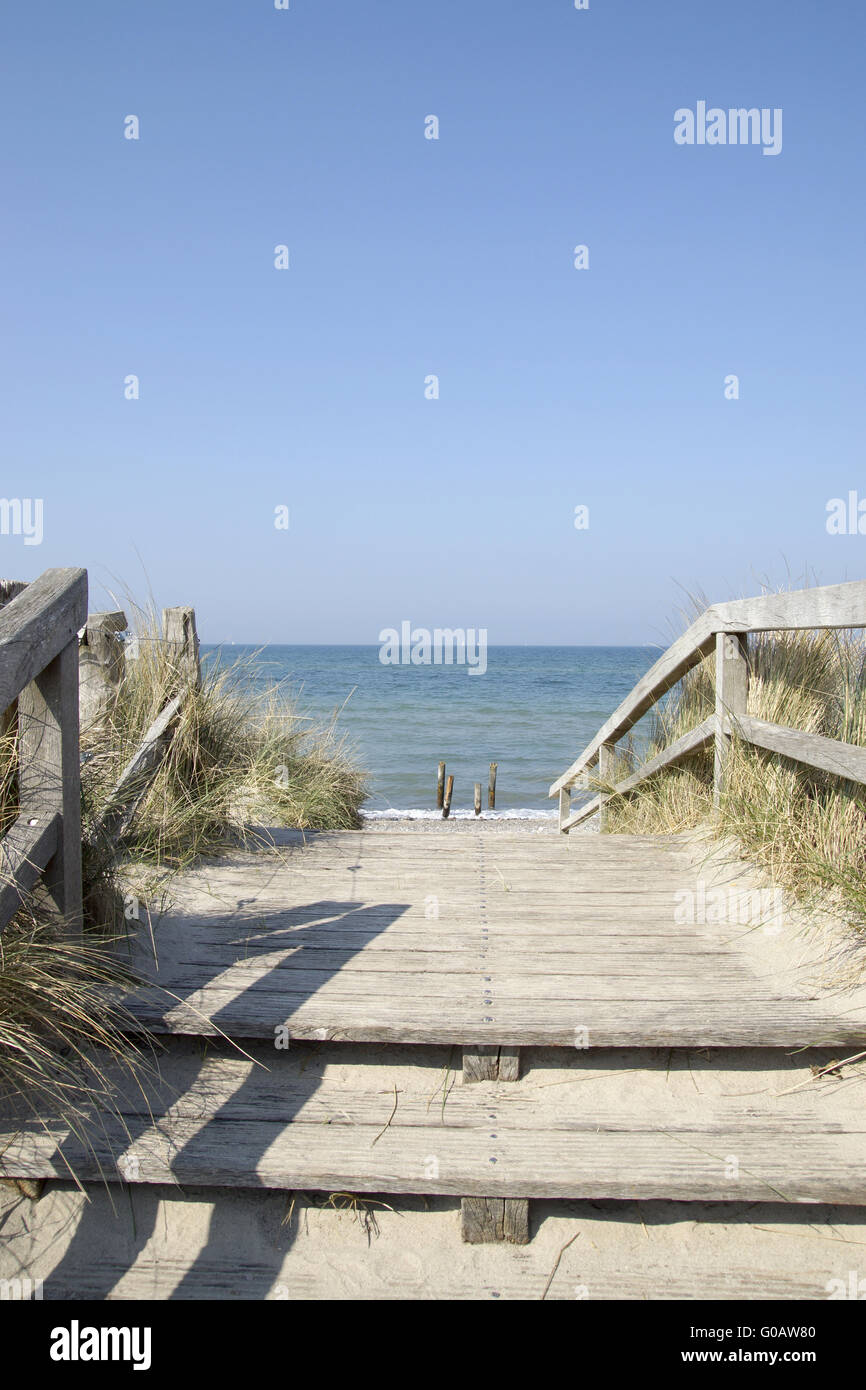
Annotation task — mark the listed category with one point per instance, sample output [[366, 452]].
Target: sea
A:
[[532, 712]]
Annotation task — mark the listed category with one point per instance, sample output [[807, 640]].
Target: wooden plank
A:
[[509, 1064], [9, 589], [49, 769], [223, 1122], [481, 1064], [732, 692], [25, 852], [180, 637], [682, 747], [139, 772], [606, 760], [827, 606], [100, 666], [37, 625], [277, 986], [614, 1022], [586, 949], [491, 1064], [847, 760], [493, 1220]]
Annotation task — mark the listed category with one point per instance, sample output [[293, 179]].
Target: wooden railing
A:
[[724, 629], [39, 669]]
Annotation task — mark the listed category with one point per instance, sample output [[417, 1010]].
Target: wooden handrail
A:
[[39, 667], [725, 628], [37, 625]]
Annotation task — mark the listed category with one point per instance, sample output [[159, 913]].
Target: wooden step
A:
[[438, 938], [279, 1120]]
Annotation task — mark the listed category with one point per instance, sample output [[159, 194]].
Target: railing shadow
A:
[[226, 1143]]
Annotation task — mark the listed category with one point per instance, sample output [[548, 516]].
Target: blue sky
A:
[[409, 257]]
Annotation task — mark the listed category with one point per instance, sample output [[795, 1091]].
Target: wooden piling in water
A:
[[478, 798], [446, 808], [440, 787], [491, 788]]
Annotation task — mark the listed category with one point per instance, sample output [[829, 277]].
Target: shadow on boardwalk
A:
[[227, 1131]]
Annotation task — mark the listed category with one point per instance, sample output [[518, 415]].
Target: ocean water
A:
[[532, 712]]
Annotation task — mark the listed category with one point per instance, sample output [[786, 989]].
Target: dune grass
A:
[[64, 1039], [807, 829], [237, 758]]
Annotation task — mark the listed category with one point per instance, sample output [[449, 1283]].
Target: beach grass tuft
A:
[[238, 757]]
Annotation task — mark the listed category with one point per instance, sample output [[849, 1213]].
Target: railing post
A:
[[49, 772], [100, 665], [564, 807], [181, 642], [732, 691], [605, 770], [9, 589]]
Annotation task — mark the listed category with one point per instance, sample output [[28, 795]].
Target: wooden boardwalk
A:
[[479, 938], [350, 1012], [356, 971]]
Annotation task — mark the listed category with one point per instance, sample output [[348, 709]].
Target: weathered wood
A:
[[543, 946], [37, 625], [826, 606], [100, 665], [440, 787], [491, 1064], [139, 772], [181, 642], [846, 760], [732, 691], [9, 589], [478, 798], [509, 1064], [491, 1220], [832, 606], [481, 1064], [217, 1121], [446, 805], [25, 852], [491, 788], [48, 767], [606, 760], [681, 748], [565, 810]]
